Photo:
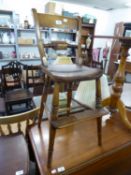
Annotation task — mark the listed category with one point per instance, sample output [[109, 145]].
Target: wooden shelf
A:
[[7, 59], [7, 44], [54, 45], [29, 59], [64, 31], [6, 28], [26, 30], [30, 30], [88, 25], [28, 45]]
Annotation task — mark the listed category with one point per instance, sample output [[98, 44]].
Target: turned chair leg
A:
[[99, 130], [52, 130], [98, 105], [69, 98], [43, 99]]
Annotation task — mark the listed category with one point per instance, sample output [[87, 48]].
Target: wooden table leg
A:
[[114, 101]]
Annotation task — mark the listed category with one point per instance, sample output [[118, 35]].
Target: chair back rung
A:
[[18, 122]]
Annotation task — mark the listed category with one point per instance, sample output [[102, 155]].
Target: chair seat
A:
[[73, 72], [14, 156], [18, 95]]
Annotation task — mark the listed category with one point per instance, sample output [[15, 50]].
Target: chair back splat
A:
[[43, 21], [11, 76], [18, 123]]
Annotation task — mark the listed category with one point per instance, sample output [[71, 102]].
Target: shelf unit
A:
[[22, 45], [8, 45]]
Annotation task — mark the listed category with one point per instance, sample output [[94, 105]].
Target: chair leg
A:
[[98, 105], [43, 99], [52, 130], [69, 97], [99, 130], [98, 93]]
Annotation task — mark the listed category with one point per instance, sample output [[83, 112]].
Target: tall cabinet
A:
[[115, 48], [87, 32]]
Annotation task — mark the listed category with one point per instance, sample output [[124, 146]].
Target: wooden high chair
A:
[[67, 74]]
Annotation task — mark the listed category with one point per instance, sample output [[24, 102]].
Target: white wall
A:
[[121, 15]]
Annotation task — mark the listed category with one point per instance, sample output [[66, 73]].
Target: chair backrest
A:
[[50, 21], [33, 76], [11, 75], [19, 122]]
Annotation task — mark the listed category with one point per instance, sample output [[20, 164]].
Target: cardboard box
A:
[[25, 41], [50, 8]]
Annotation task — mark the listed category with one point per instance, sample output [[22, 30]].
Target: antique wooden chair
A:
[[33, 76], [67, 74], [14, 151], [12, 87], [11, 76]]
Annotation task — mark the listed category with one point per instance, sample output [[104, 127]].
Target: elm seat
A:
[[72, 72]]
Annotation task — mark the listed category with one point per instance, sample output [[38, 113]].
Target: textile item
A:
[[105, 52], [86, 91], [96, 53], [63, 60]]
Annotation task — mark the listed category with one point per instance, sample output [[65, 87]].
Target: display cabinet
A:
[[8, 45], [27, 47]]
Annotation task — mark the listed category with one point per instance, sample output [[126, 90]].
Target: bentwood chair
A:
[[67, 74]]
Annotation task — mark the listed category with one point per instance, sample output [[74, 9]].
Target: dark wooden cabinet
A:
[[87, 30]]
